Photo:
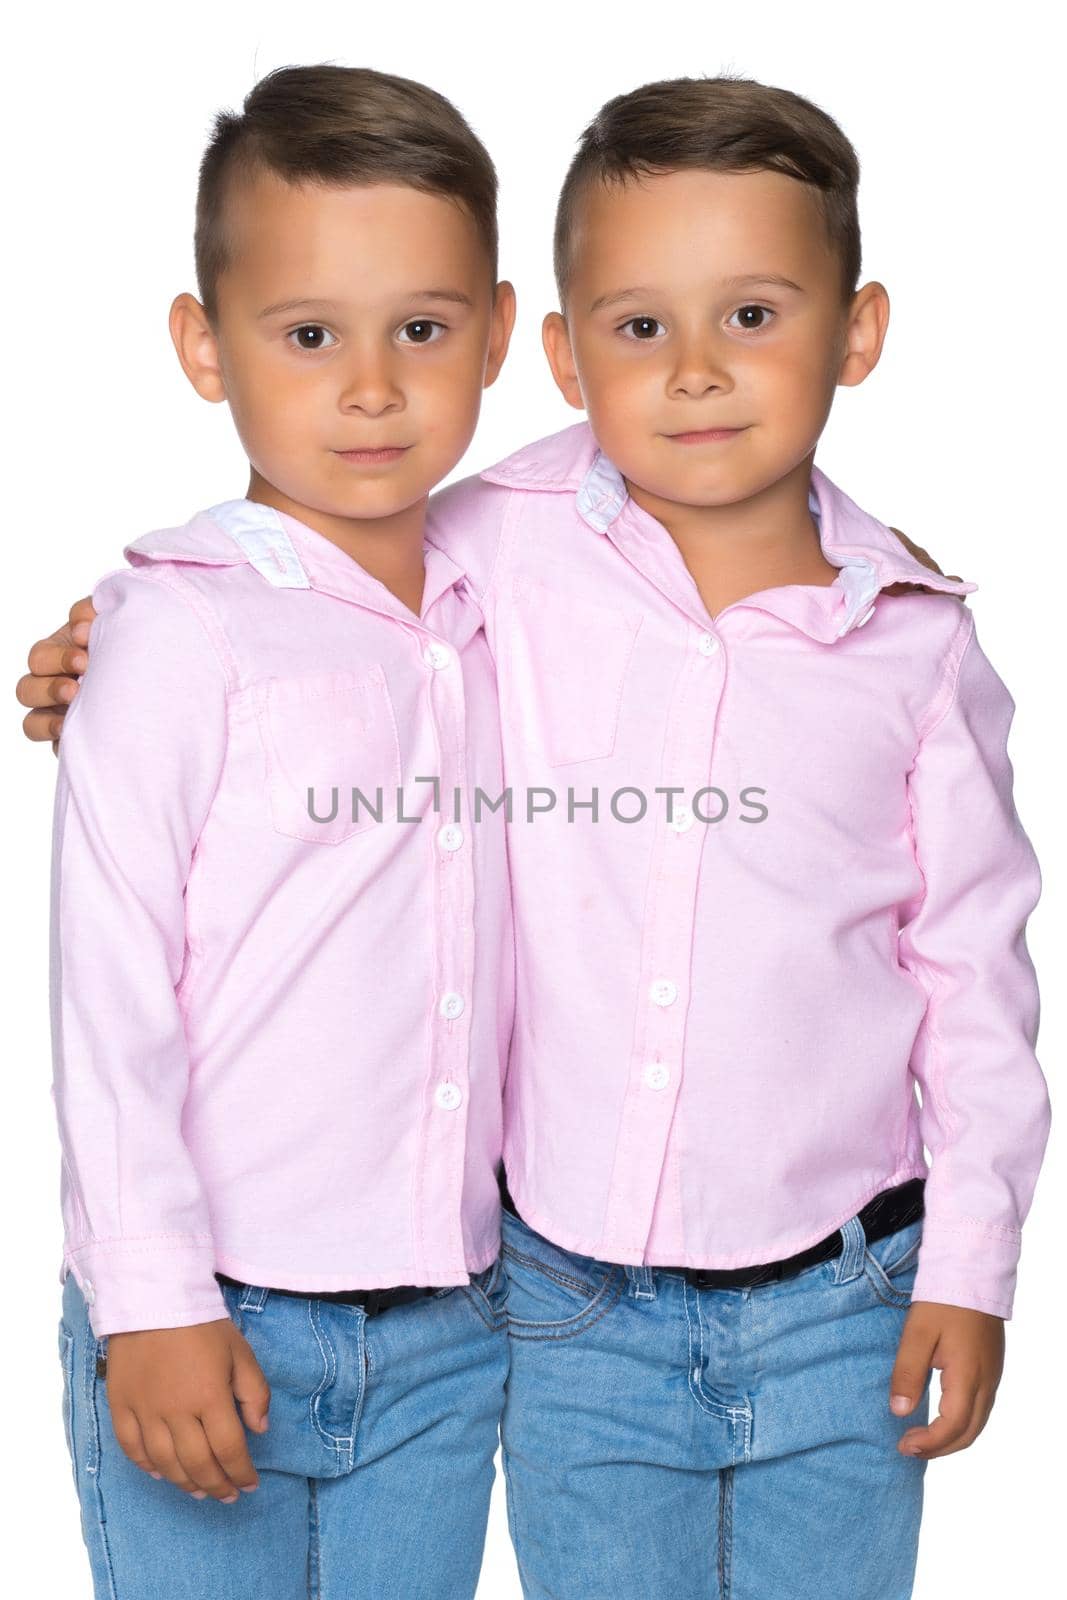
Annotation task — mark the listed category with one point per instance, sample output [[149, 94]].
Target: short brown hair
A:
[[341, 125], [722, 125]]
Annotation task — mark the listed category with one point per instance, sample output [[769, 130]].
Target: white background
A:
[[954, 438]]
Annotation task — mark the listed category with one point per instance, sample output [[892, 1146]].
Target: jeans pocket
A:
[[553, 1293], [891, 1264]]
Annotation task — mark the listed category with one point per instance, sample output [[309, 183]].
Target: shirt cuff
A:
[[963, 1264], [132, 1285]]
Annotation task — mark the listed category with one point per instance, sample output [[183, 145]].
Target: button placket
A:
[[666, 960], [443, 1129]]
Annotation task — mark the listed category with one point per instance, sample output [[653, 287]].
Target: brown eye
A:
[[311, 337], [421, 331], [643, 327], [751, 318]]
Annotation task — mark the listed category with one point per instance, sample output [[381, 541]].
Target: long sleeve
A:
[[142, 748], [985, 1110]]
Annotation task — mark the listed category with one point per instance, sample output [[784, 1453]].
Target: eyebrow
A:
[[728, 283], [762, 277], [420, 296]]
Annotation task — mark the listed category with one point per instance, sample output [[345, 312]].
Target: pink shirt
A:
[[720, 1024], [279, 1042]]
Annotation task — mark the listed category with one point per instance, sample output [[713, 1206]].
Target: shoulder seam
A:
[[209, 624], [948, 680]]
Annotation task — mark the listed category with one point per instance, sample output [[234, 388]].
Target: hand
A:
[[927, 560], [171, 1392], [52, 682], [968, 1349]]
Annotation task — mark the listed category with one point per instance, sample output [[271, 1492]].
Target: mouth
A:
[[705, 435], [371, 457]]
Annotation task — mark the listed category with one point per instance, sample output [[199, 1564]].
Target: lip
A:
[[372, 457], [705, 435]]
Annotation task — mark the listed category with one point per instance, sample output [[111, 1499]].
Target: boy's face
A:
[[678, 322], [349, 320]]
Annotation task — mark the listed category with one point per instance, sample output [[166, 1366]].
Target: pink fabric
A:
[[278, 1044], [720, 1025]]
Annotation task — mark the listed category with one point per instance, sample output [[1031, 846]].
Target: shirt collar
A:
[[867, 551], [287, 554]]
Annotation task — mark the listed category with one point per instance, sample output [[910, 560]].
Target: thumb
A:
[[911, 1368], [250, 1388]]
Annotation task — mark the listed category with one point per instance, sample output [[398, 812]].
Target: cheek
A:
[[446, 397], [617, 391]]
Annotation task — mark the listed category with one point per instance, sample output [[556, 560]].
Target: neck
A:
[[776, 520], [762, 542], [388, 548]]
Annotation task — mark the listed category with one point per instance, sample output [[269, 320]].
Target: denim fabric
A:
[[669, 1442], [375, 1473]]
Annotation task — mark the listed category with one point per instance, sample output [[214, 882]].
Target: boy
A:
[[806, 889], [279, 1028], [731, 971]]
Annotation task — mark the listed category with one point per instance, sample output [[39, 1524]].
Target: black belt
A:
[[887, 1212], [373, 1301]]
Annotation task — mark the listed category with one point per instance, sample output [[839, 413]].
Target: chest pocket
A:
[[570, 658], [330, 733]]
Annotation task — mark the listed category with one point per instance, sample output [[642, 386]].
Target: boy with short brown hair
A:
[[777, 882], [279, 1026]]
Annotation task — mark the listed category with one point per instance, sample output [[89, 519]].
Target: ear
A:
[[555, 336], [197, 345], [868, 319], [500, 330]]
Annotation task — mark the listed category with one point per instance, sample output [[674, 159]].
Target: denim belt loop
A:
[[849, 1264], [642, 1283]]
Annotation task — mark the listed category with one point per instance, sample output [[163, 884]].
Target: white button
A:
[[657, 1076], [450, 837], [682, 820], [448, 1096], [438, 655], [664, 992], [707, 644], [451, 1005]]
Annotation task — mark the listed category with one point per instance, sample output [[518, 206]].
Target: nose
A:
[[369, 384], [699, 367]]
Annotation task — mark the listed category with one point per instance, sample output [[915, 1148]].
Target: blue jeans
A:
[[665, 1441], [374, 1475]]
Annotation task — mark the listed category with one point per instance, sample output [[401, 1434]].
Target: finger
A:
[[82, 613], [958, 1396], [250, 1389], [34, 689], [983, 1406], [159, 1446], [128, 1433], [74, 660], [51, 656], [911, 1368], [45, 654], [228, 1441], [199, 1460], [43, 725]]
